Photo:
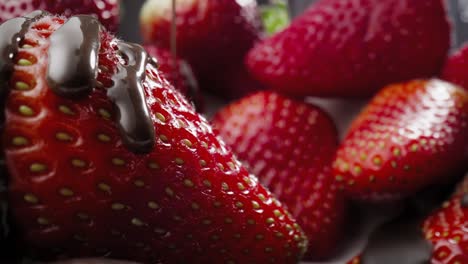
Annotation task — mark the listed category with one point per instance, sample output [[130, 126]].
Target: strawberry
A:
[[444, 229], [178, 72], [213, 36], [410, 136], [447, 230], [352, 48], [456, 68], [290, 145], [106, 10], [77, 190]]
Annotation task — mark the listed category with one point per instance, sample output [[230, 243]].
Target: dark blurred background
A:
[[130, 30]]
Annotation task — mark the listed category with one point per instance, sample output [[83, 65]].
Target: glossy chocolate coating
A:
[[73, 57], [128, 95], [73, 69], [11, 34]]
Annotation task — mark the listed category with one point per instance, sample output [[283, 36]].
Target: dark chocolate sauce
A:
[[73, 69], [11, 34], [73, 57], [128, 95], [464, 201], [400, 242]]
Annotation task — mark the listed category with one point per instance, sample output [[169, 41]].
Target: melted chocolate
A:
[[73, 57], [73, 69], [399, 242], [129, 97], [11, 34], [72, 72], [464, 201]]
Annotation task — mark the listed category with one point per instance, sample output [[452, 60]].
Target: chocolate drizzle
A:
[[11, 34], [73, 70], [73, 57], [128, 95]]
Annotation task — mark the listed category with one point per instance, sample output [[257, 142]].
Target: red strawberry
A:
[[77, 190], [447, 230], [410, 136], [352, 48], [211, 35], [106, 10], [290, 145], [456, 68], [178, 72]]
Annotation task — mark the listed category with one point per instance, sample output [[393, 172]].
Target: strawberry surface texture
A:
[[410, 136], [352, 48], [290, 145], [77, 190]]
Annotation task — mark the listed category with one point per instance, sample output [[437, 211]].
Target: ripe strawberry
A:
[[76, 190], [410, 136], [211, 35], [447, 230], [106, 10], [456, 68], [178, 72], [290, 145], [352, 48]]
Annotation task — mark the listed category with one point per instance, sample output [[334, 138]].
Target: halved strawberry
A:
[[77, 190], [106, 10], [410, 136], [213, 36], [352, 48], [178, 72], [290, 145], [456, 68]]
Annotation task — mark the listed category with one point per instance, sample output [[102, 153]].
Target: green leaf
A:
[[275, 16]]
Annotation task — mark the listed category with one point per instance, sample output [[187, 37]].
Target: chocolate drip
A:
[[72, 72], [128, 95], [11, 34], [73, 69], [73, 57]]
